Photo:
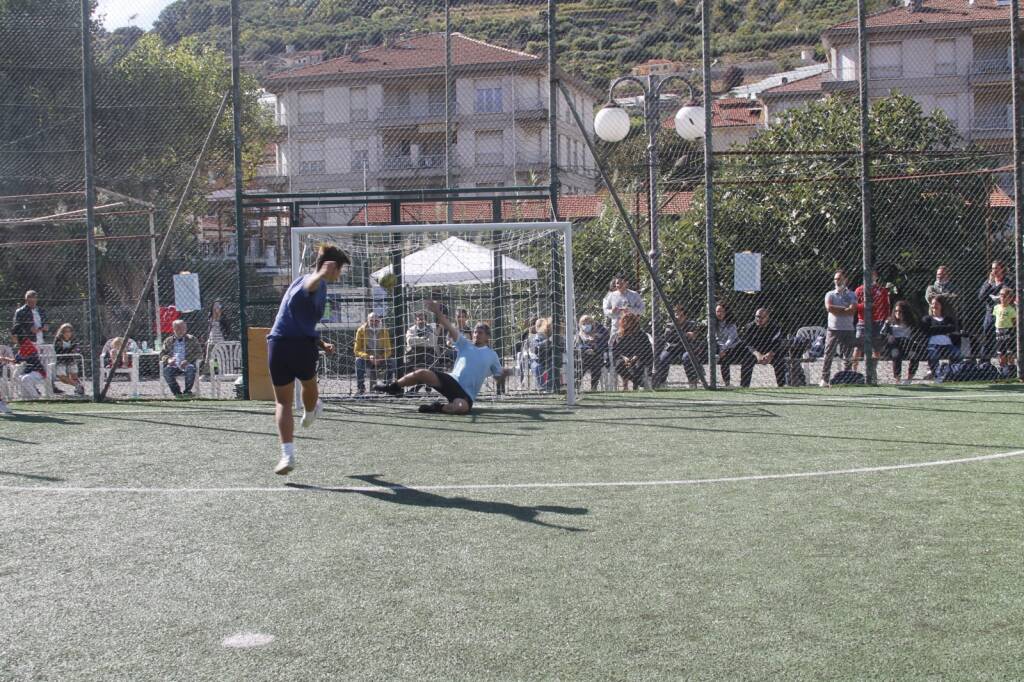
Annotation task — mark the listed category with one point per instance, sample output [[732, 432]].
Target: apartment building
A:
[[951, 55], [376, 120]]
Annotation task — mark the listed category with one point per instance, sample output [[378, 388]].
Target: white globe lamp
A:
[[690, 123], [612, 123]]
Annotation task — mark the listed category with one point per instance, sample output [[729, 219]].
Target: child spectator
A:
[[33, 376], [901, 342], [632, 351], [65, 345], [1005, 314], [591, 348], [540, 354]]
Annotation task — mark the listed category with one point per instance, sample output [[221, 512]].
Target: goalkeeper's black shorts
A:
[[451, 389]]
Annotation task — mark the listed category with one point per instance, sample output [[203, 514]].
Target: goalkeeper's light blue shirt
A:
[[300, 312], [474, 364]]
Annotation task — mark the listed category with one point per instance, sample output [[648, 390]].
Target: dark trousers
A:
[[732, 357], [634, 373], [592, 365], [898, 350], [747, 369]]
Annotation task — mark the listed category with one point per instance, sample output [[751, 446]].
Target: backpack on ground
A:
[[848, 377]]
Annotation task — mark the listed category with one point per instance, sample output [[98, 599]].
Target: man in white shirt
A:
[[621, 299]]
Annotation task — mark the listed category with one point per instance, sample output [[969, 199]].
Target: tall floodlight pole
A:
[[449, 107], [90, 195], [1018, 181], [612, 125], [236, 107]]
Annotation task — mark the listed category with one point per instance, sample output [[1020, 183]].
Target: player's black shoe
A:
[[432, 408], [391, 389]]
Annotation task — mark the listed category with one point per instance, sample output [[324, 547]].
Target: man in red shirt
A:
[[880, 310]]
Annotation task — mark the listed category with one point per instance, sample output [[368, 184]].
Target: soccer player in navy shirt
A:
[[476, 361], [294, 345]]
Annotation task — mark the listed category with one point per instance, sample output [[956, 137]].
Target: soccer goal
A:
[[515, 277]]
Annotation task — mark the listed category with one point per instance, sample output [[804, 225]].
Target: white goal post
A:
[[369, 244]]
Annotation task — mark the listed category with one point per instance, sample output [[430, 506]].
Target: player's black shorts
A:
[[1006, 341], [291, 359], [451, 389]]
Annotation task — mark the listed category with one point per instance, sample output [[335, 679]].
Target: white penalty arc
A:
[[520, 486]]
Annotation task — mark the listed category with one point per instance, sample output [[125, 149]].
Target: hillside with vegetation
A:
[[597, 38]]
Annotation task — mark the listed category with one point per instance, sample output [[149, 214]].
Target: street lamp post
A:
[[612, 124]]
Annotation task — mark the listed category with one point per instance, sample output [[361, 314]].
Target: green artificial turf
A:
[[898, 574]]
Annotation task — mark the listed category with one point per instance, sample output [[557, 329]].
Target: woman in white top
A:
[[621, 299]]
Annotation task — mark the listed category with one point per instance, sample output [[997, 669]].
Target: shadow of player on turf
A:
[[399, 494]]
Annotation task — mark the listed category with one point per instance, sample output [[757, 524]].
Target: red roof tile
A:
[[570, 207], [419, 52], [932, 12], [728, 112], [1000, 199]]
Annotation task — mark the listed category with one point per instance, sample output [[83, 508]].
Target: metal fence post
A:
[[90, 196], [865, 193], [1018, 181], [236, 106]]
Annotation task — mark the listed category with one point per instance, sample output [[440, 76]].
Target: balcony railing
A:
[[430, 161], [990, 66], [397, 162], [992, 123], [400, 112]]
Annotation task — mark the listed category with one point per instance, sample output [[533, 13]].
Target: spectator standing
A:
[[942, 334], [674, 352], [762, 340], [372, 347], [220, 324], [902, 340], [540, 353], [620, 300], [1005, 315], [179, 356], [943, 286], [591, 347], [31, 317], [841, 305], [631, 349], [988, 295], [879, 314], [65, 346], [730, 352]]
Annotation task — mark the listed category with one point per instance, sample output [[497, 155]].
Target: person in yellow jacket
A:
[[373, 349]]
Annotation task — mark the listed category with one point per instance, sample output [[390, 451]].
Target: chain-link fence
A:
[[377, 112]]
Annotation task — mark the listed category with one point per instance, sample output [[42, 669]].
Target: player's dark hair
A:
[[331, 253]]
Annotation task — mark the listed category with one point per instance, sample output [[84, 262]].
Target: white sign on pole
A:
[[186, 292], [747, 272]]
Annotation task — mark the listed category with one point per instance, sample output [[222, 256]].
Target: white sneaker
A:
[[4, 409], [309, 417], [285, 466], [905, 382], [823, 383], [928, 376]]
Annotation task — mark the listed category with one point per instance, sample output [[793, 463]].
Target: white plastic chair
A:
[[224, 363]]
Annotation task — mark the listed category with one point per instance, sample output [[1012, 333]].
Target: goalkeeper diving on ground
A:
[[475, 362]]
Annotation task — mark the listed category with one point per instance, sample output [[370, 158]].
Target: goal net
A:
[[515, 277]]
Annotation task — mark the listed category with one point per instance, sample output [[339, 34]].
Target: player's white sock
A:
[[309, 417], [287, 461]]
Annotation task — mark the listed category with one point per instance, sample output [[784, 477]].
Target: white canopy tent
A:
[[456, 261]]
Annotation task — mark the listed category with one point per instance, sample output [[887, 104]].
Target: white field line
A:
[[268, 408], [519, 486]]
